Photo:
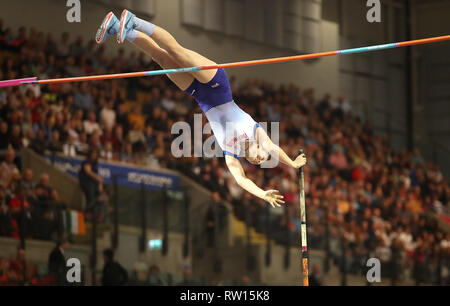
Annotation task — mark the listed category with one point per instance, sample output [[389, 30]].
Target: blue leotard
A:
[[230, 124]]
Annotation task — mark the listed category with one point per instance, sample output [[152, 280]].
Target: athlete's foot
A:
[[109, 26], [126, 25]]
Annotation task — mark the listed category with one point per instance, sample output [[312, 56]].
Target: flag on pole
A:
[[74, 222]]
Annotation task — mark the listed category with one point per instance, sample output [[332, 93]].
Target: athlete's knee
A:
[[160, 60]]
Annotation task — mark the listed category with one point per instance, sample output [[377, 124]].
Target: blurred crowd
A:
[[22, 271], [366, 198], [16, 270], [29, 207]]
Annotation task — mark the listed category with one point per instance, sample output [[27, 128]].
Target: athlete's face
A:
[[255, 153]]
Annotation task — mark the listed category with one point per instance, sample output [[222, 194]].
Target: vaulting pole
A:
[[304, 240]]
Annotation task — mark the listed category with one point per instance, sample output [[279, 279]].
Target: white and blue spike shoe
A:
[[126, 25], [110, 26]]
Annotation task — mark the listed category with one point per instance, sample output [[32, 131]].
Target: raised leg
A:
[[164, 59], [183, 56]]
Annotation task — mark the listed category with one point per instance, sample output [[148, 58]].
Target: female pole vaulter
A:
[[235, 131]]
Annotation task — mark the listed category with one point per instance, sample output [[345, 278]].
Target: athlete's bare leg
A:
[[184, 57], [164, 59], [130, 23]]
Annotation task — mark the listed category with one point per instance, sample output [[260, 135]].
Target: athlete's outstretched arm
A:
[[275, 150], [272, 196], [278, 152]]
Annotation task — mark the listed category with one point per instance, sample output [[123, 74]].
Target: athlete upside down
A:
[[235, 131]]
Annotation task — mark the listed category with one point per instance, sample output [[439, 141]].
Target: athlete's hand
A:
[[300, 161], [273, 197]]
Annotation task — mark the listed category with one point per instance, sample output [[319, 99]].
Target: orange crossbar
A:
[[229, 65]]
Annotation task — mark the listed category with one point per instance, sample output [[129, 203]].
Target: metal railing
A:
[[351, 258]]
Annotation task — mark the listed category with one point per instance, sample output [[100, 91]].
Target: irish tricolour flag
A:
[[74, 222]]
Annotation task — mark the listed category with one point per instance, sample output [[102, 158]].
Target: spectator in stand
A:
[[136, 136], [15, 139], [90, 125], [43, 189], [338, 160], [27, 183], [21, 209], [314, 279], [107, 153], [55, 214], [70, 148], [154, 277], [82, 146], [4, 136], [113, 273], [8, 168], [118, 143], [127, 154], [419, 268], [83, 99], [57, 262], [187, 277], [77, 48], [122, 116], [21, 272], [55, 145], [108, 115], [107, 136], [94, 141], [5, 214], [27, 129], [39, 144], [157, 120], [343, 106], [167, 101], [215, 218], [91, 183], [149, 137], [136, 118], [63, 46]]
